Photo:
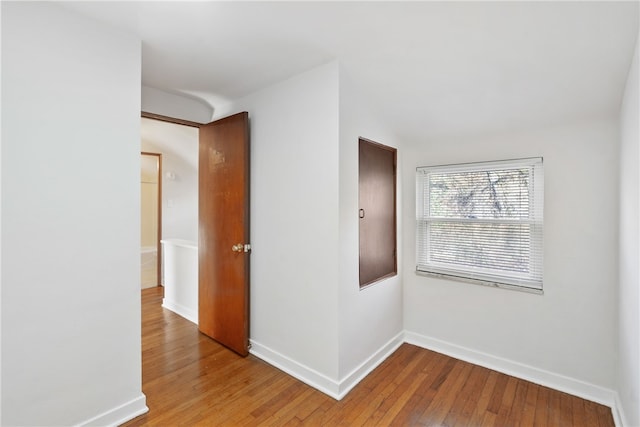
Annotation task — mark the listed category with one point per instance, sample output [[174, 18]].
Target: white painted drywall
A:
[[572, 329], [178, 145], [295, 217], [176, 106], [1, 175], [629, 294], [307, 310], [71, 227], [180, 277], [371, 317]]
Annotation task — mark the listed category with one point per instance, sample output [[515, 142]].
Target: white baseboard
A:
[[339, 389], [552, 380], [186, 312], [297, 370], [313, 378], [366, 367], [120, 414]]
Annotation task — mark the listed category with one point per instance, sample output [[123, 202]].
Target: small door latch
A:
[[240, 247]]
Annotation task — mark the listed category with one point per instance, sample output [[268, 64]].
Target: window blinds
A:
[[482, 221]]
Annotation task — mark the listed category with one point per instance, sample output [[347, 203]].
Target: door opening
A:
[[150, 219], [175, 146], [221, 223]]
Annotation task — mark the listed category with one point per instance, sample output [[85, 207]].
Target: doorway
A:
[[150, 219], [175, 146], [221, 226]]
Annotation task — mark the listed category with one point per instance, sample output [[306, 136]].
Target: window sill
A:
[[481, 282]]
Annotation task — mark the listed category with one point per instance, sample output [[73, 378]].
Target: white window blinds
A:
[[482, 221]]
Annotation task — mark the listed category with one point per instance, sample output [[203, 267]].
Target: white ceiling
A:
[[428, 68]]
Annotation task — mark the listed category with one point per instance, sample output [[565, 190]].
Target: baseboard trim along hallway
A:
[[319, 381], [120, 414], [340, 388]]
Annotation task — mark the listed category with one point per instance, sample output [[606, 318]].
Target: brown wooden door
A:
[[223, 236]]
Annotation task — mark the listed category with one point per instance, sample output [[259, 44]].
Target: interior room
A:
[[437, 83]]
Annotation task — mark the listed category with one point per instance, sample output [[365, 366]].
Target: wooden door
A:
[[223, 236], [377, 200]]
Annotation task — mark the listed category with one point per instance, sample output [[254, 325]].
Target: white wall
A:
[[568, 336], [178, 145], [176, 106], [70, 220], [1, 257], [180, 278], [295, 221], [370, 319], [629, 298], [308, 315]]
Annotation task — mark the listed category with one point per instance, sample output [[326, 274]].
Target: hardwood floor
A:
[[191, 380]]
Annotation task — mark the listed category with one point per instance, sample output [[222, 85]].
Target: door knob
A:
[[238, 248]]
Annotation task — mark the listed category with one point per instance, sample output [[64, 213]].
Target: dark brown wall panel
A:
[[377, 211]]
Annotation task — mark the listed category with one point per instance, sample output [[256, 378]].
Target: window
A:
[[482, 222]]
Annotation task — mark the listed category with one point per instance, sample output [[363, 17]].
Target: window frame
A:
[[532, 281]]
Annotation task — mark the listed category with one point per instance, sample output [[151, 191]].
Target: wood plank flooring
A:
[[190, 380]]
